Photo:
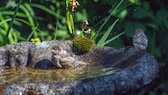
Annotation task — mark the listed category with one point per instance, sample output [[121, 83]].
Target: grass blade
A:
[[105, 36], [47, 10], [27, 23], [106, 19], [11, 23], [31, 34], [56, 28], [25, 8], [11, 13], [110, 40], [5, 21]]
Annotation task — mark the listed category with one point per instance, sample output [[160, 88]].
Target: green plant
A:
[[70, 23], [103, 40], [69, 17], [22, 18], [27, 16], [6, 35]]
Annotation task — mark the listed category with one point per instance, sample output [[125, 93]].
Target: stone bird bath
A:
[[30, 69]]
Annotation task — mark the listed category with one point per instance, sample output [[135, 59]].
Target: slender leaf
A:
[[113, 38], [30, 18], [47, 10], [31, 34], [56, 28], [105, 36], [29, 8], [27, 23], [106, 19], [11, 23], [4, 22], [70, 22], [11, 13]]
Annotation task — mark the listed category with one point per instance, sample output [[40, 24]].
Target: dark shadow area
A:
[[45, 64]]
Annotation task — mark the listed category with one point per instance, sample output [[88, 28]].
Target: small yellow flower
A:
[[35, 40]]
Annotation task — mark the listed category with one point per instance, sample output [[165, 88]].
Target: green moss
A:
[[82, 45]]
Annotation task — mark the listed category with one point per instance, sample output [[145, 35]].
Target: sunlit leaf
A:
[[70, 22]]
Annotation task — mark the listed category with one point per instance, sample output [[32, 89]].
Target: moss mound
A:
[[82, 45]]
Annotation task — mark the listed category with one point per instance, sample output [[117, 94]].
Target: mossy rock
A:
[[82, 45]]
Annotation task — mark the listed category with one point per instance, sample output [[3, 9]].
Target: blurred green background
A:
[[46, 20]]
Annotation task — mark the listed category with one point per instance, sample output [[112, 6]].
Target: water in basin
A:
[[24, 75]]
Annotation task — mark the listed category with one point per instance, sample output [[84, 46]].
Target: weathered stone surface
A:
[[40, 55], [28, 54], [135, 69], [3, 56]]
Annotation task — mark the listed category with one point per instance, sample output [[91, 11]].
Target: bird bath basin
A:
[[106, 71]]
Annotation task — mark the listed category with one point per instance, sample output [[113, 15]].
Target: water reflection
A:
[[24, 75]]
